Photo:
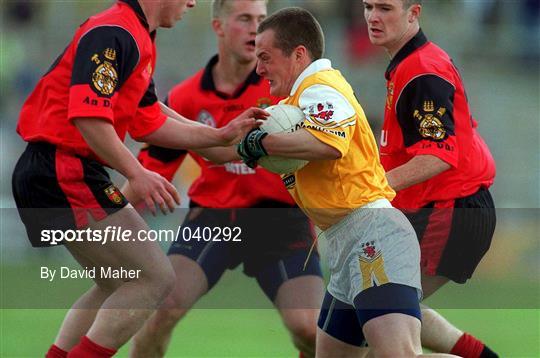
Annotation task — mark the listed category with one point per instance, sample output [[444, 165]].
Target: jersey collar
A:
[[208, 84], [135, 6], [414, 44], [316, 66]]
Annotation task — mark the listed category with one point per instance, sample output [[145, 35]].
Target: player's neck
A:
[[151, 14], [229, 74], [409, 33]]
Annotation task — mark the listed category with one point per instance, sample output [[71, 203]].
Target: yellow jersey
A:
[[328, 190]]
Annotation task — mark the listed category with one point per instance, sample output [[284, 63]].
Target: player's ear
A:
[[300, 52], [415, 11], [217, 26]]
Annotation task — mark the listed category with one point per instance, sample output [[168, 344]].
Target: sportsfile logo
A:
[[117, 234]]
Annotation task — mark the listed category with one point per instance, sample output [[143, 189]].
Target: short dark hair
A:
[[222, 7], [293, 27], [408, 3]]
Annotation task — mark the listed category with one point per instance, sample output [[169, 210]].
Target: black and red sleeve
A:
[[149, 117], [105, 58], [161, 160], [425, 112]]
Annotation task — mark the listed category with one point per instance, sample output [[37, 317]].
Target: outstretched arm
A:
[[418, 169], [179, 135], [217, 155]]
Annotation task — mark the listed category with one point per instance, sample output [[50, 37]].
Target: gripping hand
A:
[[251, 148]]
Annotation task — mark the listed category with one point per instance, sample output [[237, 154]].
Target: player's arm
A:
[[111, 54], [218, 155], [417, 170], [178, 135], [169, 112], [425, 115], [325, 136], [300, 144]]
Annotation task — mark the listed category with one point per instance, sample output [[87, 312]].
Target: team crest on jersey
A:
[[289, 180], [147, 72], [205, 117], [321, 113], [105, 77], [264, 102], [372, 266], [390, 95], [430, 126], [114, 194]]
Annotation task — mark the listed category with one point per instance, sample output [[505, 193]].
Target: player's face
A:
[[389, 22], [239, 27], [172, 11], [281, 71]]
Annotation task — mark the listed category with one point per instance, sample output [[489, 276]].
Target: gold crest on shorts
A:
[[113, 194], [105, 77], [431, 125], [372, 266]]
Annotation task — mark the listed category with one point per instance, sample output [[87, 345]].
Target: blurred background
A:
[[494, 43]]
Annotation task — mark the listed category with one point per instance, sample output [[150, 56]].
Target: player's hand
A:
[[154, 190], [236, 129], [251, 148], [133, 198]]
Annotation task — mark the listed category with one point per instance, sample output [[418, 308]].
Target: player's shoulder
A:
[[427, 60], [190, 85], [186, 90], [117, 21]]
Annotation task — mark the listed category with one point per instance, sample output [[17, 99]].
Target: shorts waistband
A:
[[377, 204], [357, 214], [41, 146]]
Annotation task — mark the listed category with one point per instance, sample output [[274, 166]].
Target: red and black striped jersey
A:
[[233, 185], [427, 113], [105, 72]]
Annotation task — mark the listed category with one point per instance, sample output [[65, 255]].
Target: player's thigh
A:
[[197, 262], [141, 256], [328, 346], [298, 301], [454, 240], [430, 284], [394, 332], [191, 283], [473, 225], [339, 321], [288, 266], [304, 292]]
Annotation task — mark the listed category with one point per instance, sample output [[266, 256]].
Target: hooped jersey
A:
[[427, 113], [328, 190], [232, 185], [105, 72]]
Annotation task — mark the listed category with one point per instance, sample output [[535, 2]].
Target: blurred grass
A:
[[259, 333], [504, 313]]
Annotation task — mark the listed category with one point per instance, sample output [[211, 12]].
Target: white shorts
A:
[[373, 245]]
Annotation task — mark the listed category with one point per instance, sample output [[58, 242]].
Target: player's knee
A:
[[304, 333], [170, 317], [166, 280], [160, 280], [106, 286]]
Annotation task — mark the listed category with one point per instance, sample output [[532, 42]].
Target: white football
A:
[[283, 118]]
